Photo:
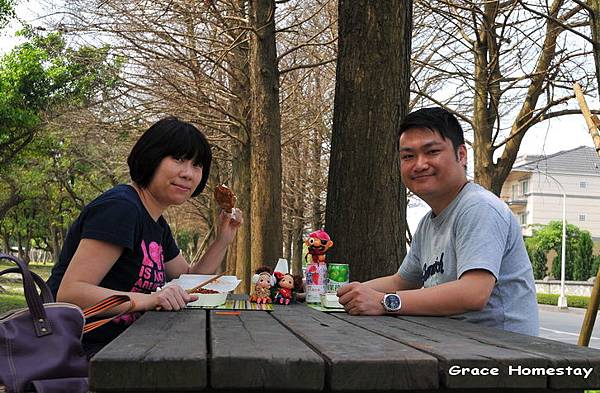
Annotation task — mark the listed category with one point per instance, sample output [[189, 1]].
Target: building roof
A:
[[582, 159]]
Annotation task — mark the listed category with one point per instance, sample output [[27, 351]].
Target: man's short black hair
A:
[[438, 120], [169, 137]]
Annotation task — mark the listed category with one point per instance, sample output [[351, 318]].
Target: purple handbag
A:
[[40, 346]]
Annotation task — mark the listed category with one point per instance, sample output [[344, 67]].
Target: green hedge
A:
[[572, 301]]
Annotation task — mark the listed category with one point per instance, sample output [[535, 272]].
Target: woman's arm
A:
[[91, 262]]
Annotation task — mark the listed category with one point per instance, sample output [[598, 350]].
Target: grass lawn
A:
[[13, 297], [9, 301]]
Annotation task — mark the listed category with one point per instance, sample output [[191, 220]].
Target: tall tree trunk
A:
[[595, 27], [484, 114], [56, 242], [27, 251], [297, 244], [20, 251], [365, 209], [316, 150], [265, 136], [241, 186], [6, 240], [239, 105], [288, 246]]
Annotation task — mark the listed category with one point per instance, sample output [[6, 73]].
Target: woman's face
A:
[[175, 180]]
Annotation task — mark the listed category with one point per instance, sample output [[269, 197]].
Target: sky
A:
[[27, 10], [548, 137]]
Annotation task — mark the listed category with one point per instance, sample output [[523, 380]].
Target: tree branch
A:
[[301, 66]]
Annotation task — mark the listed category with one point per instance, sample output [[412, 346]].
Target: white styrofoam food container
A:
[[223, 285]]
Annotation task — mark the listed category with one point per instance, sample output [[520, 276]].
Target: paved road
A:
[[565, 325]]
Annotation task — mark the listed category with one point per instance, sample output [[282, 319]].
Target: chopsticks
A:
[[205, 282]]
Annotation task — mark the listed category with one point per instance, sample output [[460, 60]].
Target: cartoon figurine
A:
[[263, 280], [287, 285], [318, 242]]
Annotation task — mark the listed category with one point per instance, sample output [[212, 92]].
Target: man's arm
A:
[[469, 293], [392, 283]]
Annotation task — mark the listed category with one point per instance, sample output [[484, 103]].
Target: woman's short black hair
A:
[[168, 137], [438, 120]]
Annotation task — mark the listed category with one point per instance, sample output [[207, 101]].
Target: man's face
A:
[[430, 167]]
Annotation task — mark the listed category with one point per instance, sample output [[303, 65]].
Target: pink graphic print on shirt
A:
[[151, 276]]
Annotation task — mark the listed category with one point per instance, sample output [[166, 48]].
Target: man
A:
[[467, 256]]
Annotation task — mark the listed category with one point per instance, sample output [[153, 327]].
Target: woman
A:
[[120, 243]]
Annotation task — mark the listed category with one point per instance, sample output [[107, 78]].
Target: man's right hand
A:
[[359, 299]]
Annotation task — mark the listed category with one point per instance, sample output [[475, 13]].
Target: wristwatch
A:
[[392, 302]]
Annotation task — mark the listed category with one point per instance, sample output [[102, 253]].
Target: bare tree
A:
[[505, 68], [193, 60]]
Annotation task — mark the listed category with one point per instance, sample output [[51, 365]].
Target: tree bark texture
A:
[[365, 208], [265, 137]]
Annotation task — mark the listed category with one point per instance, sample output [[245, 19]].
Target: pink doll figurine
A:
[[287, 285]]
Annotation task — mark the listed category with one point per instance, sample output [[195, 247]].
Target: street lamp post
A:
[[562, 299]]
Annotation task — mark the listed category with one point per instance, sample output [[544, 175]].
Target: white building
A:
[[534, 189]]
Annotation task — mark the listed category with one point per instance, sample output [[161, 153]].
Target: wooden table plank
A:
[[558, 354], [254, 351], [160, 351], [457, 353], [357, 359]]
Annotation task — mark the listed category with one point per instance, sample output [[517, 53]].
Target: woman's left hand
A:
[[228, 225]]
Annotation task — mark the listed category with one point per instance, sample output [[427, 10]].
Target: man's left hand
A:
[[359, 299]]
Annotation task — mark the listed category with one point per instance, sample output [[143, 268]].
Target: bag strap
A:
[[103, 306], [35, 305], [45, 292], [34, 302]]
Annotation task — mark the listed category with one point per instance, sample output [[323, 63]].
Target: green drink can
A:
[[338, 275]]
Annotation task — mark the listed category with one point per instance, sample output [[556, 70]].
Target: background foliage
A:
[[578, 253]]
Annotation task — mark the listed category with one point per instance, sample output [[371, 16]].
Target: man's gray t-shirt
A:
[[477, 231]]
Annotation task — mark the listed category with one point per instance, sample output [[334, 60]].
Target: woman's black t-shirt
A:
[[119, 217]]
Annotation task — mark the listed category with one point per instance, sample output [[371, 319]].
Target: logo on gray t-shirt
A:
[[433, 269]]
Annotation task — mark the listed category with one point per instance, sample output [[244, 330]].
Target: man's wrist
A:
[[392, 303]]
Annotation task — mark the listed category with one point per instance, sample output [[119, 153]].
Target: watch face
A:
[[392, 302]]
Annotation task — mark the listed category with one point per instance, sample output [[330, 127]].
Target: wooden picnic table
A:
[[297, 348]]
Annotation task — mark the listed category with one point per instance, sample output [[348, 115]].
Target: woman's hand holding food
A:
[[230, 218], [171, 297], [228, 226]]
